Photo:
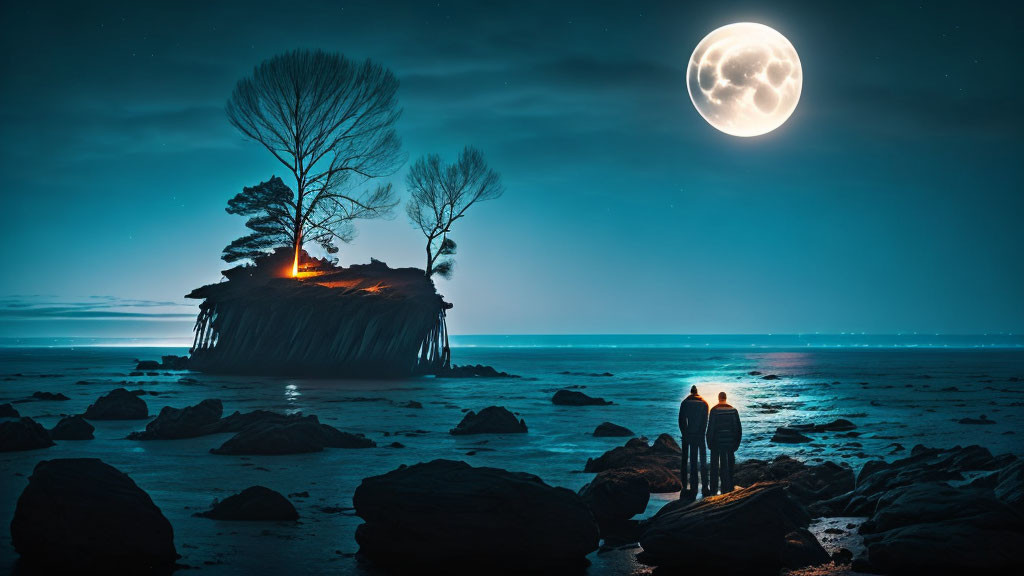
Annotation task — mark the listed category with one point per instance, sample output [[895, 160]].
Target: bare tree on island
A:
[[441, 194], [330, 122]]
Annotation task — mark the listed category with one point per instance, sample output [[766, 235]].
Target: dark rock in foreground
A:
[[23, 434], [935, 528], [807, 483], [84, 516], [784, 435], [477, 371], [490, 420], [253, 503], [659, 462], [607, 429], [72, 428], [290, 436], [471, 520], [49, 396], [119, 404], [8, 411], [575, 398], [615, 496], [746, 531], [187, 422]]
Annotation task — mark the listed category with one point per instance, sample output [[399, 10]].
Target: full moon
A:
[[744, 79]]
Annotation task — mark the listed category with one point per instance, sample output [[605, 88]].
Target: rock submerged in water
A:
[[576, 398], [747, 531], [289, 435], [471, 520], [23, 434], [118, 404], [187, 422], [84, 516], [785, 435], [490, 420], [256, 503], [469, 371], [72, 428], [657, 462], [48, 396], [607, 429]]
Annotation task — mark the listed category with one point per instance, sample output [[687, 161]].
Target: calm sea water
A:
[[898, 389]]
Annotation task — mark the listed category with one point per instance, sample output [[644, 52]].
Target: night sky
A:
[[891, 201]]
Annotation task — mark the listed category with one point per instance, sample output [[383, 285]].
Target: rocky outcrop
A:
[[809, 484], [188, 422], [607, 429], [290, 436], [949, 511], [747, 531], [254, 503], [72, 428], [576, 398], [166, 363], [84, 516], [8, 411], [490, 420], [23, 434], [923, 465], [932, 527], [658, 462], [471, 520], [119, 404]]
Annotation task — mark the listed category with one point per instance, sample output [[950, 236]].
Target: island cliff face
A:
[[362, 321]]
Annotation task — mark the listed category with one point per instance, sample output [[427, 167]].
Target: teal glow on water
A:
[[901, 393]]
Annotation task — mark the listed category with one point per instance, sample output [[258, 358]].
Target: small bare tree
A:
[[330, 121], [440, 194]]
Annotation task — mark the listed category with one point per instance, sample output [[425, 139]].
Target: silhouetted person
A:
[[724, 433], [693, 423]]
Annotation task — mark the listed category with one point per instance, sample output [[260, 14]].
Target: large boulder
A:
[[809, 484], [490, 420], [1009, 486], [119, 404], [8, 411], [290, 436], [615, 496], [659, 462], [23, 434], [743, 532], [72, 428], [84, 516], [607, 429], [577, 398], [253, 503], [187, 422], [471, 520]]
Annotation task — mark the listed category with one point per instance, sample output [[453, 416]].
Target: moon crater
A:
[[744, 79]]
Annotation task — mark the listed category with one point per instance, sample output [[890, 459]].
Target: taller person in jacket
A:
[[693, 424], [724, 434]]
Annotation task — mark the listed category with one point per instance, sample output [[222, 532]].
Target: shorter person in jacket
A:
[[724, 434], [693, 424]]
